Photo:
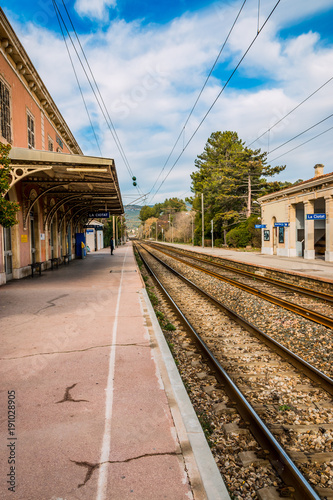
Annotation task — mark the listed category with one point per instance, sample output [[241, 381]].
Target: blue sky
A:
[[150, 60]]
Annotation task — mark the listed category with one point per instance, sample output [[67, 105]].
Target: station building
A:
[[298, 221], [58, 188]]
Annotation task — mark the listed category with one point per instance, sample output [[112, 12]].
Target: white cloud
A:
[[95, 9], [150, 77]]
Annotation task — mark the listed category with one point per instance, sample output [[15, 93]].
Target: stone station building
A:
[[299, 220]]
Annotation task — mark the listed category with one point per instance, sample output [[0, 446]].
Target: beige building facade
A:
[[298, 221]]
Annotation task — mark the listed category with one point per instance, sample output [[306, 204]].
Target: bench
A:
[[66, 258], [38, 266], [54, 262]]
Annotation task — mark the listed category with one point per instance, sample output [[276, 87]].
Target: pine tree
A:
[[230, 176]]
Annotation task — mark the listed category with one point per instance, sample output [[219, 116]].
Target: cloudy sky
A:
[[151, 60]]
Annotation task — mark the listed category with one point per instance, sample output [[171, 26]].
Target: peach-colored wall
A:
[[21, 101], [50, 131]]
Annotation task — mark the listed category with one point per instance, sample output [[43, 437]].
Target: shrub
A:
[[238, 237], [219, 242], [245, 234]]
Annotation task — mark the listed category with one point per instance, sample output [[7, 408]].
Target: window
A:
[[59, 141], [5, 112], [31, 131], [50, 144]]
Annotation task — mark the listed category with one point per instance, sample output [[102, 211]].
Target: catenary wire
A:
[[303, 143], [301, 133], [96, 97], [215, 100], [291, 111], [97, 87], [182, 132], [78, 83]]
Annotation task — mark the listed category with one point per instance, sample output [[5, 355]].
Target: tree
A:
[[230, 176], [172, 205], [149, 228], [272, 187], [8, 209]]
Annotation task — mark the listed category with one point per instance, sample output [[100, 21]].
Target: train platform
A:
[[92, 405], [314, 268]]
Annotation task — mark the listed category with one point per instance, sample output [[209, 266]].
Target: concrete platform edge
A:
[[210, 475]]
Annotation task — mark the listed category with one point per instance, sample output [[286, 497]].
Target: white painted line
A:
[[212, 480], [106, 443]]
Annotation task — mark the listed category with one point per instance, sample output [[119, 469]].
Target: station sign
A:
[[260, 226], [315, 216], [93, 226], [281, 224], [99, 215], [89, 231]]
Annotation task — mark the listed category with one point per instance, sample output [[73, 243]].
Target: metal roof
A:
[[81, 183]]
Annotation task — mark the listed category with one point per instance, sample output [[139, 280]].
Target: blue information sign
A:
[[99, 215], [281, 224], [315, 216], [260, 226]]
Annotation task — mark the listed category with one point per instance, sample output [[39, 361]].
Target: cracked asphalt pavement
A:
[[55, 337]]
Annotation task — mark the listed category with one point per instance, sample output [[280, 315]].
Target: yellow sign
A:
[[24, 238]]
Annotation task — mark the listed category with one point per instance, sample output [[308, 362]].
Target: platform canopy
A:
[[82, 184]]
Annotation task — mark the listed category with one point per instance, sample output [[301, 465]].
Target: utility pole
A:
[[248, 211], [156, 230], [212, 231], [169, 227], [202, 222]]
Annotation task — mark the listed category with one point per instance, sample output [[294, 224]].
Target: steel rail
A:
[[321, 319], [278, 456], [299, 363], [289, 286]]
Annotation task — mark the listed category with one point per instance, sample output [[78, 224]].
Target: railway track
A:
[[253, 276], [280, 395], [250, 285], [310, 340]]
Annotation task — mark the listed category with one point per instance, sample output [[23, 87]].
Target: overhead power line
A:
[[303, 143], [100, 99], [301, 133], [291, 111], [78, 83], [182, 132], [217, 97]]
